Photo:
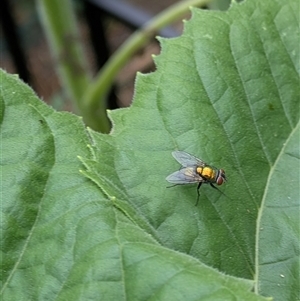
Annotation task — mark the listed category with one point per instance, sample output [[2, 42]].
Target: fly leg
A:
[[172, 185], [213, 186], [199, 185]]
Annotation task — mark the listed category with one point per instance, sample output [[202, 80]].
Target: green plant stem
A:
[[98, 90], [60, 26]]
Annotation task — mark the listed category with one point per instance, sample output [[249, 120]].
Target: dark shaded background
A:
[[41, 66]]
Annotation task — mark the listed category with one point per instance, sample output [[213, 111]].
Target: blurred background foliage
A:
[[42, 67]]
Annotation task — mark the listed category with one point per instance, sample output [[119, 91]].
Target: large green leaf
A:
[[226, 91]]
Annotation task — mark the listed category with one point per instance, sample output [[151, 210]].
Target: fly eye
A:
[[220, 180]]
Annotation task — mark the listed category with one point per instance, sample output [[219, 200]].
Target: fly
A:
[[194, 170]]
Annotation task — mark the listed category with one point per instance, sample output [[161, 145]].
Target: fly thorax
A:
[[206, 172]]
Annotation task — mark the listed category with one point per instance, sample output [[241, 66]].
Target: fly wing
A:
[[184, 176], [186, 160]]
